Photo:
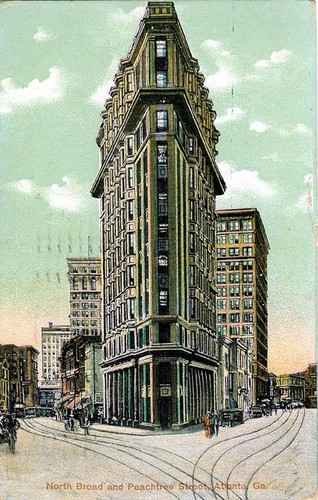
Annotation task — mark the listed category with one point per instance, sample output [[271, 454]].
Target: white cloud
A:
[[24, 186], [133, 15], [301, 128], [280, 56], [273, 157], [41, 35], [243, 185], [277, 57], [102, 91], [232, 114], [259, 127], [211, 45], [68, 196], [36, 92], [223, 79]]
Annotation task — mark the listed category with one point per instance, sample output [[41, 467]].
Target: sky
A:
[[57, 64]]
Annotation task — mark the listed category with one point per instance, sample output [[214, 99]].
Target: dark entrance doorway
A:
[[165, 406]]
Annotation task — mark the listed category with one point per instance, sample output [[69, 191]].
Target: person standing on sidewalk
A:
[[86, 426], [207, 425]]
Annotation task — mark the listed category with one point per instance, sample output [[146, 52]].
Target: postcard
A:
[[158, 250]]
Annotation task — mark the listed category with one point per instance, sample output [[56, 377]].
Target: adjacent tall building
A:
[[157, 184], [52, 339], [242, 249], [19, 367], [85, 295]]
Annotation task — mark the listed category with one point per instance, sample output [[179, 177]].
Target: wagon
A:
[[9, 437], [231, 417], [8, 433]]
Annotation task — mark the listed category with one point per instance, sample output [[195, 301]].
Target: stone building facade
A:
[[157, 184]]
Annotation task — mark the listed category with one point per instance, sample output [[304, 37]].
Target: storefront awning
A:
[[60, 402]]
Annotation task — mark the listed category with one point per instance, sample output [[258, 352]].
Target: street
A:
[[270, 458]]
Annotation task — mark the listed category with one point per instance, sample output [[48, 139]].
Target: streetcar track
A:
[[140, 450], [193, 479], [154, 456], [222, 442], [274, 456], [241, 461], [71, 439], [234, 447], [260, 450]]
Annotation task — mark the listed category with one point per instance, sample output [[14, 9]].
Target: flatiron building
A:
[[157, 183]]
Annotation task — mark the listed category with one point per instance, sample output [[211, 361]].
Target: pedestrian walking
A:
[[207, 425], [72, 423], [86, 426], [217, 422], [212, 424]]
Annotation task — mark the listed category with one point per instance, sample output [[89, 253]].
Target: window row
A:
[[123, 312], [235, 225], [83, 269], [85, 283], [234, 318], [234, 265], [84, 314], [234, 238], [235, 330], [235, 252], [76, 322], [234, 291], [234, 277], [85, 296], [223, 304]]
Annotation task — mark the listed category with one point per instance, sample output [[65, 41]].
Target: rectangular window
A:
[[191, 178], [233, 238], [162, 121], [162, 154], [161, 79], [163, 204], [163, 244], [248, 304], [130, 145], [130, 210], [247, 251], [130, 243], [221, 239], [129, 84], [191, 243], [234, 318], [222, 226], [247, 225], [234, 303], [191, 145], [221, 252], [234, 330], [221, 318], [234, 252], [221, 304], [161, 48], [192, 210], [192, 275], [130, 178]]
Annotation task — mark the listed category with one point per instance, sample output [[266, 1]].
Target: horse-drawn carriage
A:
[[8, 431]]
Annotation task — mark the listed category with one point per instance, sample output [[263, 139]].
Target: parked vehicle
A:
[[256, 411], [8, 430], [231, 417], [35, 411]]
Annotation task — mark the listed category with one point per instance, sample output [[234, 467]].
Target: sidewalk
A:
[[132, 431]]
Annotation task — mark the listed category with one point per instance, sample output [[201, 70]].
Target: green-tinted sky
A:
[[57, 61]]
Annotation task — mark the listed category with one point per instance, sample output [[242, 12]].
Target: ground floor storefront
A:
[[158, 392]]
